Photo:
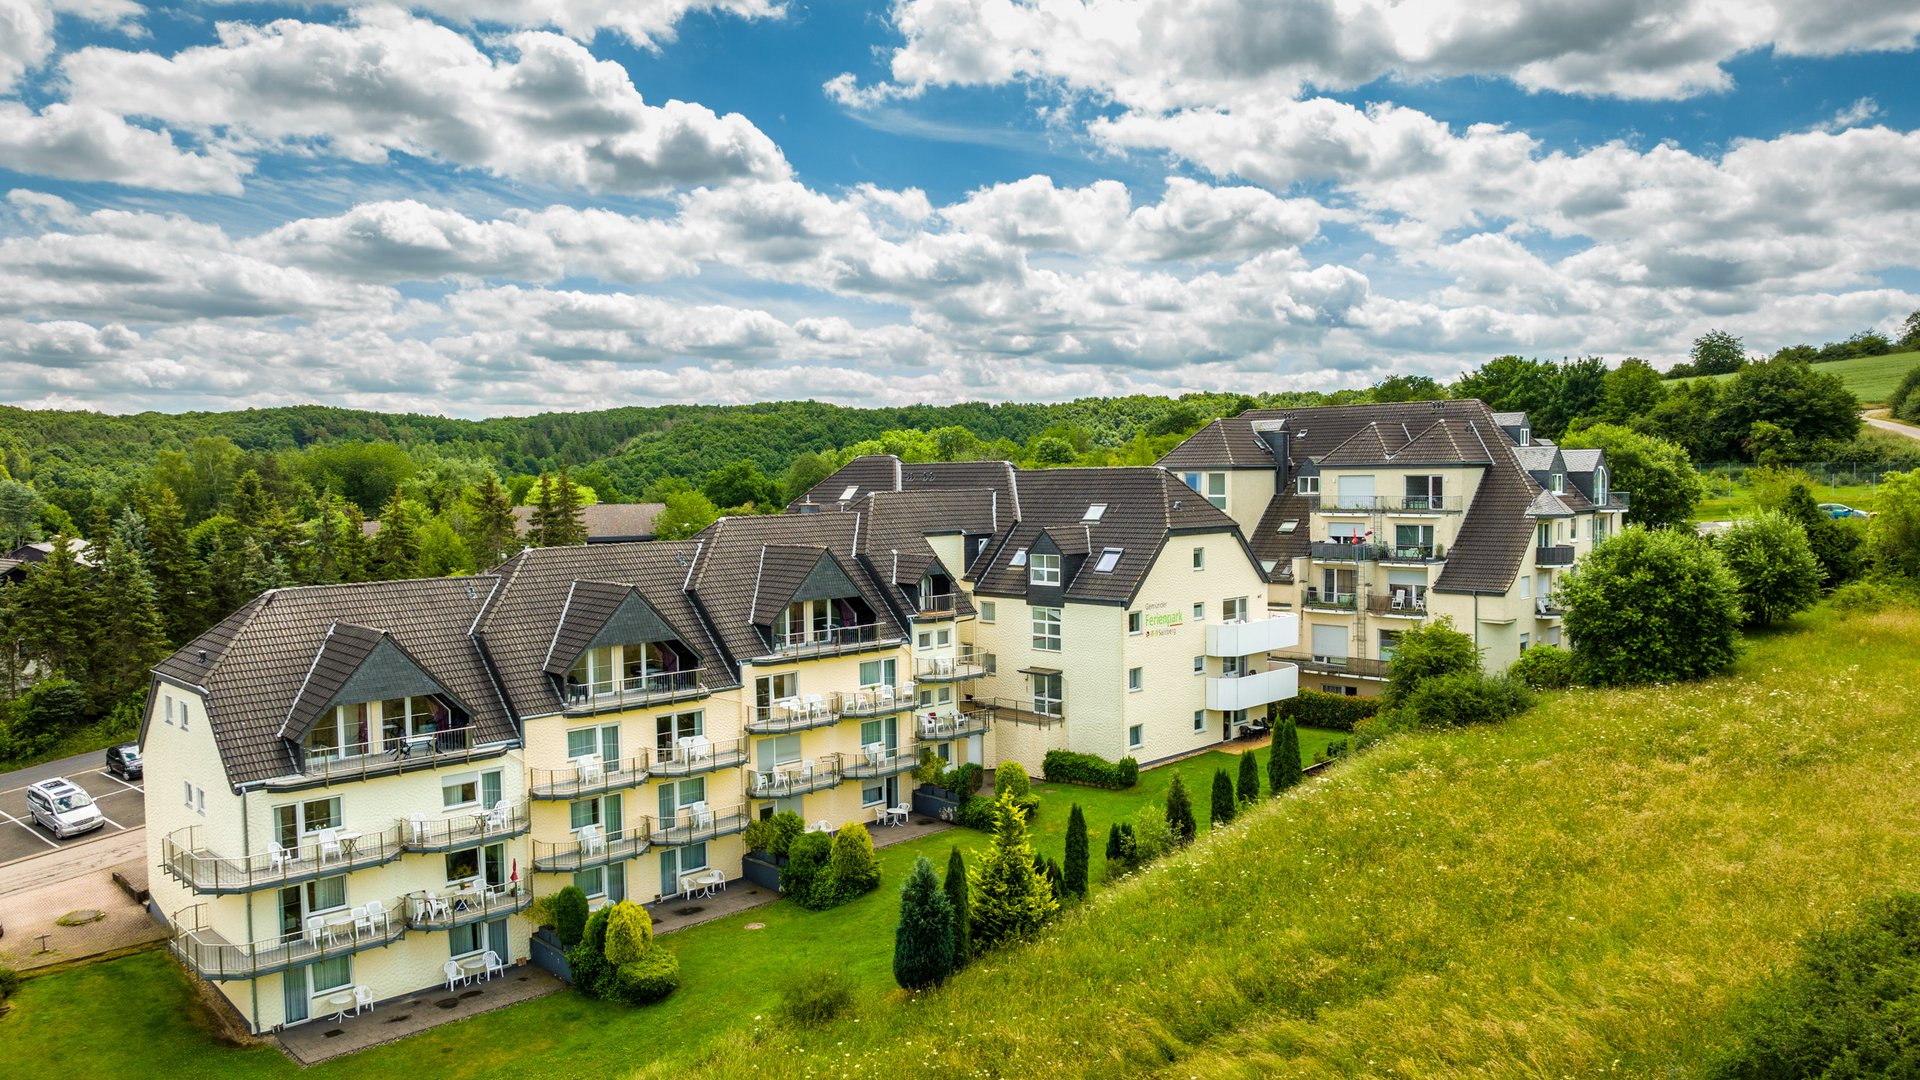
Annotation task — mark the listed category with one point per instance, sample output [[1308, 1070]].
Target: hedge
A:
[[1336, 712], [1065, 766]]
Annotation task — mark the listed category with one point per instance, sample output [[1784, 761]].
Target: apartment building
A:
[[1369, 519]]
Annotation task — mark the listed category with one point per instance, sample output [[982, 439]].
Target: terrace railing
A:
[[833, 641], [695, 826], [590, 776], [365, 761], [585, 850], [464, 830], [339, 933], [874, 701], [334, 851], [796, 778], [656, 688], [963, 664], [693, 756]]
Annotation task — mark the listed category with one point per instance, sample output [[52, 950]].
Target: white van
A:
[[62, 808]]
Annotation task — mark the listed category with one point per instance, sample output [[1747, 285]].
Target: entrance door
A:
[[294, 998]]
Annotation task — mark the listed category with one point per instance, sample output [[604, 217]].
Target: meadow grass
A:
[[1578, 892], [1871, 378]]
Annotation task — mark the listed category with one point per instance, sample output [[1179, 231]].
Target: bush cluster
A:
[[962, 779], [1868, 598], [1065, 766], [618, 959], [1010, 781], [775, 835], [9, 983], [1544, 667], [975, 813], [1335, 712], [823, 873], [819, 998]]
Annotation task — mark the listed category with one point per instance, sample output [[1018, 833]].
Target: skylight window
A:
[[1094, 513], [1020, 557], [1287, 526], [847, 495], [1109, 559]]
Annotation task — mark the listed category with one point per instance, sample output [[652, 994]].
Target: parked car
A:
[[63, 808], [124, 761], [1842, 510]]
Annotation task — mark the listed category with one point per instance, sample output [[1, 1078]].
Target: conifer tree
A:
[[355, 554], [249, 502], [176, 574], [568, 525], [1010, 901], [956, 887], [1113, 844], [1074, 881], [1249, 777], [923, 940], [54, 612], [1224, 803], [131, 636], [1180, 812], [396, 547], [1283, 758], [540, 523], [490, 527]]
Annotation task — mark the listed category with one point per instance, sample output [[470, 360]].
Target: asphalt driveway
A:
[[122, 803]]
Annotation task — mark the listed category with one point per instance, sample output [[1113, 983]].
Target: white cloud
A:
[[646, 23], [81, 142], [26, 29]]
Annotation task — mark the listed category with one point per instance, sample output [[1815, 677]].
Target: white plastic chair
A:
[[419, 823], [455, 976], [904, 812], [362, 920], [699, 748], [377, 914], [816, 706], [497, 817], [494, 966], [875, 752], [820, 826], [806, 773], [929, 727], [280, 857], [589, 768], [362, 999], [316, 928], [330, 847], [592, 840]]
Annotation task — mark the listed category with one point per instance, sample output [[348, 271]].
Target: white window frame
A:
[[1043, 569], [1136, 736], [1136, 679], [1306, 485], [1199, 719], [1200, 665], [1046, 629], [1199, 558], [1199, 611], [1136, 623], [987, 611]]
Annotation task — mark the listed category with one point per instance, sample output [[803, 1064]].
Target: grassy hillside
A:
[[1577, 893], [1871, 378]]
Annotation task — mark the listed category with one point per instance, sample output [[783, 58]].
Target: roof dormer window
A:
[[1559, 483], [1109, 559], [1019, 557], [1044, 571], [1526, 436], [1094, 513]]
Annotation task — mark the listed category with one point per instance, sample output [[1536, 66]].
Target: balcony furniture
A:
[[377, 913], [316, 928], [875, 752], [699, 815], [806, 773], [899, 815], [341, 1002], [820, 826], [362, 920], [362, 999], [471, 967], [340, 928], [330, 844], [280, 857], [455, 975], [690, 884], [593, 841], [589, 768], [929, 727], [494, 820], [695, 748], [714, 879], [419, 824], [816, 706], [493, 965]]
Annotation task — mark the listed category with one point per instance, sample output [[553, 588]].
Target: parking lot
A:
[[121, 803]]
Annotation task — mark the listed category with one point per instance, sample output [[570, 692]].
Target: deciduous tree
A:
[[1651, 605]]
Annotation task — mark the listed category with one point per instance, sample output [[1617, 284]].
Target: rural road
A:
[[1894, 426]]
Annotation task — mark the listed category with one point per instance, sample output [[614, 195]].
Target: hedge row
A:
[[1065, 766], [1337, 712]]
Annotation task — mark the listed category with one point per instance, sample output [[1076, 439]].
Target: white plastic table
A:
[[340, 1003]]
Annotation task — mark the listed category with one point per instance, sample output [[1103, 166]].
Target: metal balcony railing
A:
[[874, 701], [657, 688], [1358, 667], [1040, 711], [1389, 504], [698, 824], [365, 761], [327, 935], [1410, 605], [698, 754], [1340, 551], [963, 664], [464, 830], [880, 760], [962, 725], [590, 775], [1557, 555], [833, 641], [444, 910], [585, 849], [796, 778], [937, 606], [1332, 601], [1414, 553], [314, 855], [794, 714]]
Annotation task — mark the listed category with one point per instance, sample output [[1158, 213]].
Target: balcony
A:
[[584, 850], [1330, 601], [1617, 502], [319, 854], [1353, 667], [698, 824], [213, 957], [874, 701], [1399, 604], [462, 909], [1255, 690], [963, 664], [1414, 553], [936, 608], [934, 729], [1339, 551], [589, 775], [363, 761], [1558, 555], [1390, 504], [796, 778], [699, 754], [465, 830], [833, 641], [1252, 637], [658, 688], [1545, 608], [794, 714], [879, 761], [1039, 711]]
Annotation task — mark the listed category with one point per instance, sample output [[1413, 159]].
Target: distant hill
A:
[[1871, 378]]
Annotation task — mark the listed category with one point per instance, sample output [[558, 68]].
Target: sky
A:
[[489, 207]]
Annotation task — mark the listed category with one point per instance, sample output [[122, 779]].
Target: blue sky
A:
[[576, 204]]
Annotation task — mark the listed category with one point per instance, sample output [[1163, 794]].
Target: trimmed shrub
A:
[[819, 998], [806, 865], [1074, 881], [1283, 757], [1065, 766], [956, 888], [775, 835], [1224, 803], [570, 916], [966, 779], [629, 933], [1773, 562], [923, 940], [1011, 779], [1650, 606], [588, 959], [1180, 812], [1249, 777], [1149, 834], [646, 978], [1465, 697], [975, 813], [1335, 712], [852, 868], [1544, 667]]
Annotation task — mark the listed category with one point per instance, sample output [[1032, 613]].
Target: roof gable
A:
[[356, 664], [600, 613], [790, 574]]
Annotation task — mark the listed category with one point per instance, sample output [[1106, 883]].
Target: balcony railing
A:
[[1353, 666], [1330, 601], [874, 701], [963, 664], [879, 760], [794, 714], [1338, 551], [833, 641], [959, 726], [590, 775], [1043, 712], [1401, 603], [1618, 501], [585, 850], [639, 692], [364, 761], [937, 606], [465, 830], [796, 778], [319, 854], [696, 826], [696, 755], [211, 955], [429, 910], [1544, 607], [1414, 553], [1558, 555], [1390, 504]]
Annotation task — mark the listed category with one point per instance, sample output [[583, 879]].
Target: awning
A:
[[1039, 671]]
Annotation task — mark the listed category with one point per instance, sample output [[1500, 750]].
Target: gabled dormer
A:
[[806, 603], [366, 697], [613, 650], [1053, 562]]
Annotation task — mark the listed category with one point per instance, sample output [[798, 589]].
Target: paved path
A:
[[1894, 426], [30, 912]]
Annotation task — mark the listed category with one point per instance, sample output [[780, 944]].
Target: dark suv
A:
[[124, 761]]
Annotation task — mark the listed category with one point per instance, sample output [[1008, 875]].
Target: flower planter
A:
[[937, 803]]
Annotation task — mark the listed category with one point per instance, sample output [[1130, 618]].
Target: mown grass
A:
[[1871, 378], [1734, 500], [1579, 892], [129, 1016]]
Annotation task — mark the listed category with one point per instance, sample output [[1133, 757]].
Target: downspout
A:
[[1476, 621], [246, 851]]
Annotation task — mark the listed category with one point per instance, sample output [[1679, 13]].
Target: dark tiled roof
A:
[[258, 658], [884, 472], [522, 621], [1269, 544], [605, 522], [346, 647], [862, 475], [727, 566], [1222, 444]]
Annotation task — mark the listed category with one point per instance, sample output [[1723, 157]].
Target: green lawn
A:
[[733, 979], [1727, 501], [1871, 378]]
